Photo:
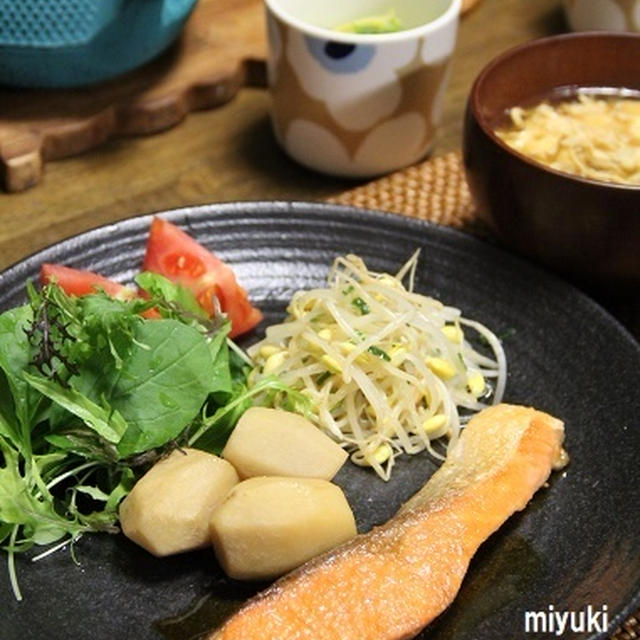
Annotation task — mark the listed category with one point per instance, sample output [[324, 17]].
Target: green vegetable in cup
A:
[[383, 23]]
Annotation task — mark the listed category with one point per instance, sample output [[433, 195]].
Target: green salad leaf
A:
[[107, 423], [15, 356], [173, 296], [161, 385]]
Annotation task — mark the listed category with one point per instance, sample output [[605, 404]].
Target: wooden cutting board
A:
[[221, 49], [217, 54]]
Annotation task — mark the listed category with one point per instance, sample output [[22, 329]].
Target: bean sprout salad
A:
[[387, 370]]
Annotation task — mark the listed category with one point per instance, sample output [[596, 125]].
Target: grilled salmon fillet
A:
[[391, 582]]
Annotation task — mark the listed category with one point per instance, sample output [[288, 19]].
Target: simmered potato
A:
[[272, 442], [269, 525], [169, 508]]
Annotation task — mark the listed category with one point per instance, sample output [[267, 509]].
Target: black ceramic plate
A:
[[577, 544]]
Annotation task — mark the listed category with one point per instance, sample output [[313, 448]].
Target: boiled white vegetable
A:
[[169, 509], [271, 442], [268, 525]]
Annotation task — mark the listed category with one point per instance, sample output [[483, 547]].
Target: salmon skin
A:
[[390, 583]]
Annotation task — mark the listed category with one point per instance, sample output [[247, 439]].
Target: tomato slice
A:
[[177, 256], [77, 282]]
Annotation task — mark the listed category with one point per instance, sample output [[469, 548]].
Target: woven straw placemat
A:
[[436, 190]]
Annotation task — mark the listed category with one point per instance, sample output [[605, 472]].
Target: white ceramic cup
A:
[[358, 105], [609, 15]]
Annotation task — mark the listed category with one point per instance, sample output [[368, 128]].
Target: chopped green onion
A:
[[376, 351], [361, 305]]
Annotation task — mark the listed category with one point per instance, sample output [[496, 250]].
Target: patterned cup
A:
[[610, 15], [358, 105]]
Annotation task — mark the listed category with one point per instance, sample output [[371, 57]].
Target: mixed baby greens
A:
[[92, 392]]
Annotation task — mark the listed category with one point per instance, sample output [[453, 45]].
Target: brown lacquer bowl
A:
[[588, 230]]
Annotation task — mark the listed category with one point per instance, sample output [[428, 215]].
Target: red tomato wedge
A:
[[76, 282], [177, 256]]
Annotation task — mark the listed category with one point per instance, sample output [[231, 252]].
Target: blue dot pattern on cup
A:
[[341, 57]]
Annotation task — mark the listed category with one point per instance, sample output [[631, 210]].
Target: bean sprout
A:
[[388, 370]]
